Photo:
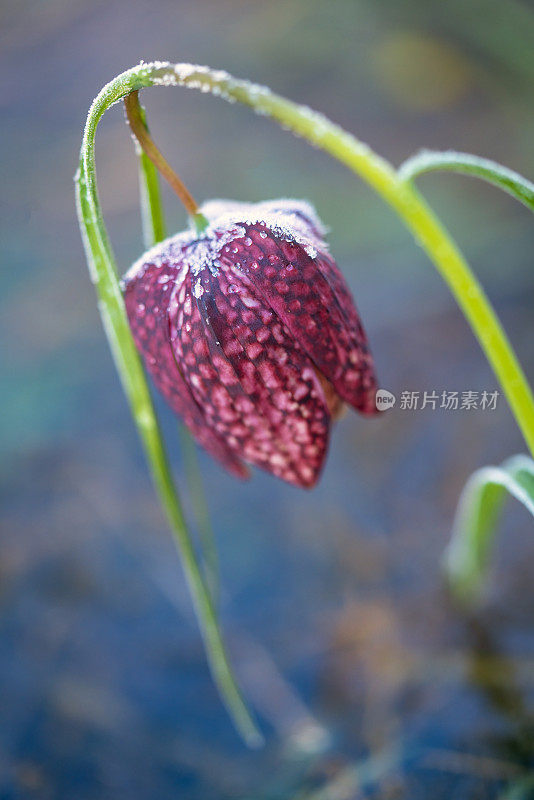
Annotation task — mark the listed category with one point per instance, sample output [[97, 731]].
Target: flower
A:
[[250, 333]]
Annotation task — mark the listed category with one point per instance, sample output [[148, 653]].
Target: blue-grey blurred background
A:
[[366, 681]]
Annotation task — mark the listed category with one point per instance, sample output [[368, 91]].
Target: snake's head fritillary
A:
[[250, 333]]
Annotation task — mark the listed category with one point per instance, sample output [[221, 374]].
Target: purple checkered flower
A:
[[250, 333]]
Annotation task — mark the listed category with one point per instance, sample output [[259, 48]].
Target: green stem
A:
[[467, 555], [137, 122], [152, 214], [154, 231], [466, 164], [476, 308], [200, 506], [104, 275], [382, 177]]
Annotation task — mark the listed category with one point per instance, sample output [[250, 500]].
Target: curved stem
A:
[[104, 276], [379, 174], [476, 307], [467, 554], [466, 164]]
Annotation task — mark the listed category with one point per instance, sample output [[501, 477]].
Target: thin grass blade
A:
[[467, 557], [465, 164]]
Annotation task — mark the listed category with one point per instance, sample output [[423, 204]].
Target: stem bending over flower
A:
[[104, 276], [379, 174]]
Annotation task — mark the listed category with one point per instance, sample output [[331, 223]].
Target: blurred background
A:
[[366, 681]]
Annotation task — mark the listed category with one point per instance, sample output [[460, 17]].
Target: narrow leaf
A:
[[450, 161], [467, 556]]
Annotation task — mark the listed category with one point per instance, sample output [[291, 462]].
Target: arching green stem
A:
[[466, 164], [379, 174], [104, 275], [467, 555]]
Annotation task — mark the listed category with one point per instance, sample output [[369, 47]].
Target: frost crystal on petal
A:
[[198, 289]]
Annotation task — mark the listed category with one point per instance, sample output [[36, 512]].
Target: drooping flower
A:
[[250, 333]]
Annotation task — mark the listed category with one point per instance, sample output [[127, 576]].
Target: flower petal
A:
[[303, 286], [147, 293], [258, 389], [296, 213], [352, 333]]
